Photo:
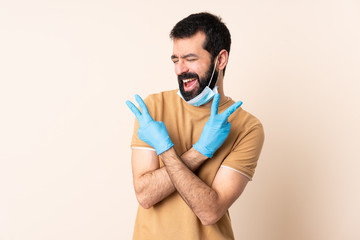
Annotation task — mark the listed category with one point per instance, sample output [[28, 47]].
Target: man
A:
[[193, 150]]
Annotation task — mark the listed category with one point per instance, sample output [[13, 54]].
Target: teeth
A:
[[188, 80]]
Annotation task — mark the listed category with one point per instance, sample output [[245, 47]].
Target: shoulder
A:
[[159, 103], [248, 123], [242, 117], [250, 129], [246, 118], [162, 96], [245, 124]]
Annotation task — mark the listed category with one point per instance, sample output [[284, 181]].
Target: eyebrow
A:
[[185, 56]]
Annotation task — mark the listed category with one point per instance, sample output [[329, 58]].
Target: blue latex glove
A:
[[152, 132], [216, 129]]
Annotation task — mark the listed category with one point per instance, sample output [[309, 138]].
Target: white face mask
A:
[[206, 94]]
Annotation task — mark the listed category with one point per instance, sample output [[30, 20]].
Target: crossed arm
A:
[[153, 183]]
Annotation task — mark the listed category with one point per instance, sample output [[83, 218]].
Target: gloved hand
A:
[[216, 129], [152, 132]]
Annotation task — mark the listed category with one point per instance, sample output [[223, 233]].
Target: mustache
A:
[[188, 75]]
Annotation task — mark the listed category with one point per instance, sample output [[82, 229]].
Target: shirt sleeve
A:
[[243, 158]]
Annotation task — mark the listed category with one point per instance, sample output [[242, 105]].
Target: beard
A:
[[203, 82]]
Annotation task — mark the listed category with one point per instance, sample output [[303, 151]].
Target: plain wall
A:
[[67, 68]]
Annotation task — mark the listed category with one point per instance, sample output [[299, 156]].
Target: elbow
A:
[[209, 221], [142, 198], [145, 205], [144, 201], [211, 214], [210, 218]]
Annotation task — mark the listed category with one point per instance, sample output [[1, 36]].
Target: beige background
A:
[[67, 68]]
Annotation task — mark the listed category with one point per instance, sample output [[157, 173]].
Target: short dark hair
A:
[[217, 34]]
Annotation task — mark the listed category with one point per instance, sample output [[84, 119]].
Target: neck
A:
[[220, 89]]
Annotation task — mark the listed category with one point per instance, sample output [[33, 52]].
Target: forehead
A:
[[193, 44]]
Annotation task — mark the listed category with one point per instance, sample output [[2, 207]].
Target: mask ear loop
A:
[[213, 71]]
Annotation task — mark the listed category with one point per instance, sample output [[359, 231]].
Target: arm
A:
[[209, 203], [152, 183]]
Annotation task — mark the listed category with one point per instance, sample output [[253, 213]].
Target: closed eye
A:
[[191, 59], [174, 59]]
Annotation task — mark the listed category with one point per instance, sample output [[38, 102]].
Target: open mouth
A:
[[189, 84]]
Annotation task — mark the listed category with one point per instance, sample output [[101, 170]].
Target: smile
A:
[[190, 84], [189, 80]]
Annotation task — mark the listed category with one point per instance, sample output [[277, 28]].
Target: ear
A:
[[222, 59]]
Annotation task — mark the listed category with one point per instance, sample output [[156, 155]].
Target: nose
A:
[[181, 67]]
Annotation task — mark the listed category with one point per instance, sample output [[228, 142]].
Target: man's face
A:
[[193, 65]]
